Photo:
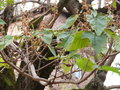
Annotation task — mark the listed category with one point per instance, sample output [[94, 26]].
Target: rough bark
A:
[[8, 16], [73, 6]]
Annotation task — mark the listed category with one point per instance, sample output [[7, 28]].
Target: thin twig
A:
[[6, 59]]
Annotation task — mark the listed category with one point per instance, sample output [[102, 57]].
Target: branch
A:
[[118, 1], [60, 76], [29, 1], [113, 87], [86, 77], [31, 66], [110, 58], [71, 81], [62, 4]]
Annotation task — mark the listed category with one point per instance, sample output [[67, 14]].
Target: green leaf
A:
[[5, 41], [73, 55], [116, 42], [2, 22], [63, 35], [98, 23], [114, 4], [109, 68], [66, 42], [52, 58], [85, 64], [110, 33], [97, 41], [78, 42], [37, 33], [47, 38], [52, 50], [70, 21], [94, 13], [66, 66], [3, 64], [8, 40], [2, 5], [10, 1], [104, 49]]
